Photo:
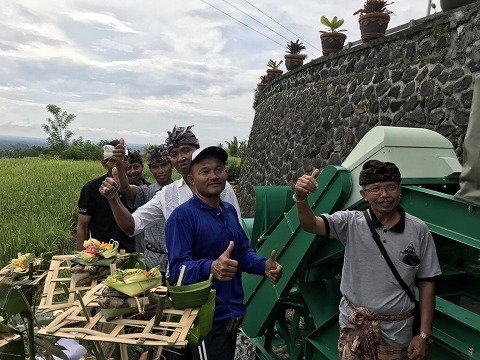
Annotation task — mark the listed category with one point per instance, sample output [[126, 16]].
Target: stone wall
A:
[[315, 115]]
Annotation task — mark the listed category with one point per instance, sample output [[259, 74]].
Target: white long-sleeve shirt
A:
[[166, 200]]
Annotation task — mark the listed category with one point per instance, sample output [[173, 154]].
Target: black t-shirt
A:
[[102, 223]]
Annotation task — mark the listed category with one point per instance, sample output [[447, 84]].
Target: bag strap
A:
[[376, 237]]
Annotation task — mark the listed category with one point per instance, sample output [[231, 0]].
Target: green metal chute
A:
[[295, 248]]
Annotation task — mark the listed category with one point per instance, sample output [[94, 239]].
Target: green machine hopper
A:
[[298, 317]]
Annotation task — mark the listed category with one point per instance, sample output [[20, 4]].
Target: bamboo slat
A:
[[75, 324], [58, 275]]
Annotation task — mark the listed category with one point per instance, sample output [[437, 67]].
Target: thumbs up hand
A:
[[224, 268], [119, 153], [306, 184], [109, 186], [273, 270]]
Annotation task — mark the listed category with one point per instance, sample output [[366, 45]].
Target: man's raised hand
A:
[[119, 153], [306, 184], [273, 270], [109, 187], [224, 268]]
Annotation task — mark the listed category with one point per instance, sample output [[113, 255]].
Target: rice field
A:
[[38, 204]]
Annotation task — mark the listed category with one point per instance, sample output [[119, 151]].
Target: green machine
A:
[[298, 317]]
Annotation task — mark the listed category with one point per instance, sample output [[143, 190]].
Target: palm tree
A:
[[232, 147]]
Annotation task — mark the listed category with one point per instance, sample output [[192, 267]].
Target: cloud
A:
[[134, 69]]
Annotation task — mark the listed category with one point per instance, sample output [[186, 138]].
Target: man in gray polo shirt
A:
[[375, 312]]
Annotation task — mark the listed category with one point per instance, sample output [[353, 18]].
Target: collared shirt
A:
[[197, 234], [165, 201], [367, 280], [153, 237]]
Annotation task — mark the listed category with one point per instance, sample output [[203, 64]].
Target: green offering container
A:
[[192, 295], [203, 322]]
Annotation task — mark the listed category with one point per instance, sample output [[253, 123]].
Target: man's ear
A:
[[363, 194], [190, 180]]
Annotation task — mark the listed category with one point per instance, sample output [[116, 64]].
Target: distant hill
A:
[[20, 142]]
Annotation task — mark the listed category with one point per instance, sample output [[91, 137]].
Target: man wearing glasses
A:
[[375, 312]]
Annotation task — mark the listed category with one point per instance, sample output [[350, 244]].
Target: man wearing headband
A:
[[151, 242], [180, 144], [95, 217], [135, 168], [375, 312]]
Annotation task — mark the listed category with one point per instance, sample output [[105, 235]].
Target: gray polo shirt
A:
[[367, 280]]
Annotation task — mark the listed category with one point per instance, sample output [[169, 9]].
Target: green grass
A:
[[38, 203]]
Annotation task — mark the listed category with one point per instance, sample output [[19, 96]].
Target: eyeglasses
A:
[[379, 189]]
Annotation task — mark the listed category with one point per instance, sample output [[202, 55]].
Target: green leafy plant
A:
[[332, 25], [295, 47], [263, 79], [374, 6], [274, 65], [437, 30]]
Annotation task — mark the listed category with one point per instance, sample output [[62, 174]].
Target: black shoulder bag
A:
[[416, 309]]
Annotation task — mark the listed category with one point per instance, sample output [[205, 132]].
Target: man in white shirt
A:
[[181, 143]]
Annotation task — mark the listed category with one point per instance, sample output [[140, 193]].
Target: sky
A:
[[134, 69]]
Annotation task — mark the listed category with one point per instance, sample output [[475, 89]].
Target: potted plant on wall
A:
[[263, 82], [374, 19], [293, 58], [333, 39], [274, 70]]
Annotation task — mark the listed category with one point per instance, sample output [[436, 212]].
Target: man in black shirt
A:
[[95, 217]]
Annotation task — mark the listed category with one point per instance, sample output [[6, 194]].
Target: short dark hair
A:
[[135, 156]]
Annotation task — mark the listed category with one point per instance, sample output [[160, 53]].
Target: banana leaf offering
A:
[[134, 281], [97, 253], [19, 266]]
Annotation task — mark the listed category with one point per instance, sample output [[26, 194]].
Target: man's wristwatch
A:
[[427, 337]]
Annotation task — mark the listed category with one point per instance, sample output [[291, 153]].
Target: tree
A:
[[242, 148], [57, 129], [232, 147], [236, 148], [82, 150]]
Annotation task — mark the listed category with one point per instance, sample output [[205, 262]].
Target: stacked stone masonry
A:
[[315, 115]]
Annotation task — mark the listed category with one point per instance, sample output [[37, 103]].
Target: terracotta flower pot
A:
[[373, 25], [332, 42], [261, 86], [272, 74], [293, 61]]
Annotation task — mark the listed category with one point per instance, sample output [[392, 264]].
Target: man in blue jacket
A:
[[204, 235]]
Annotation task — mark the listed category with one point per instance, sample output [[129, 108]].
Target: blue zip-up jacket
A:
[[197, 234]]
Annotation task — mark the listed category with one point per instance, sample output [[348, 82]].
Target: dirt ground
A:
[[245, 350]]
